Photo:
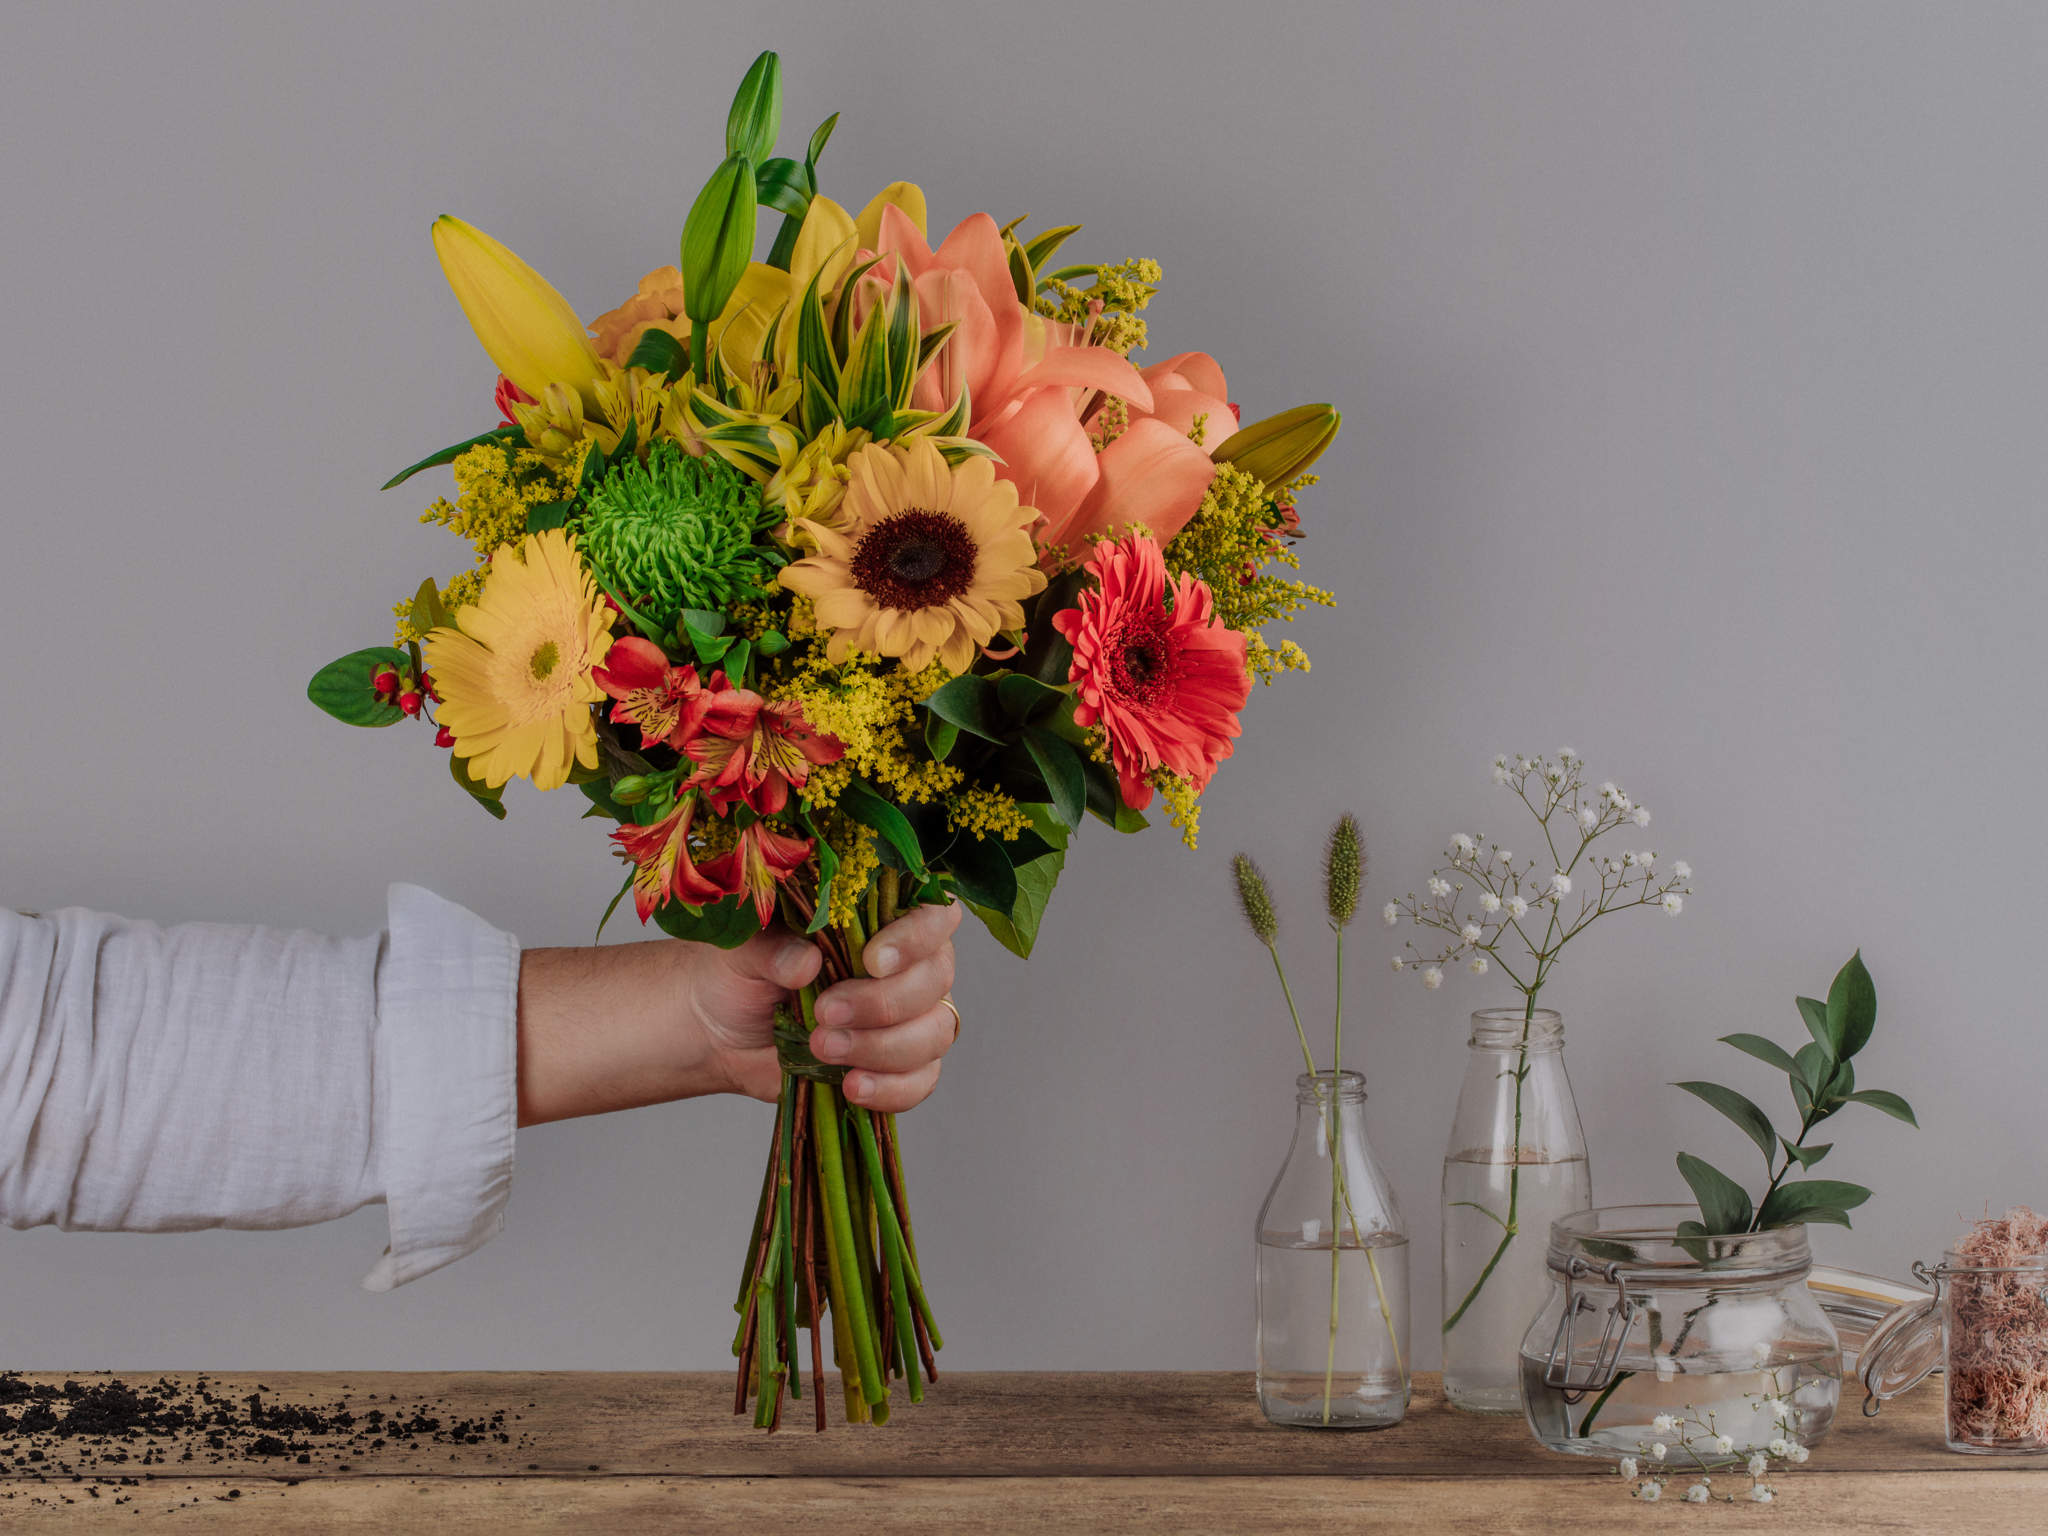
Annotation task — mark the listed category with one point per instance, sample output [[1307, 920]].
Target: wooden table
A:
[[986, 1452]]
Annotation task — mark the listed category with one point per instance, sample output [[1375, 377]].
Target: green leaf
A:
[[738, 659], [940, 736], [1692, 1237], [1763, 1050], [708, 622], [1724, 1207], [1815, 1013], [1755, 1124], [1104, 800], [1017, 929], [599, 793], [428, 612], [982, 872], [861, 801], [1060, 765], [1788, 1204], [549, 514], [1027, 699], [728, 924], [718, 240], [455, 451], [1806, 1157], [1824, 1215], [660, 353], [1852, 1007], [828, 871], [1890, 1103], [347, 690], [785, 185], [970, 703], [492, 800], [1021, 277], [900, 342], [771, 642], [1814, 1066], [819, 138], [1039, 250], [756, 116], [613, 905]]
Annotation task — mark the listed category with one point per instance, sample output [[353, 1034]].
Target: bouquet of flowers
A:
[[849, 579]]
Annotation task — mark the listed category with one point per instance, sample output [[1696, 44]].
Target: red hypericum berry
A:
[[427, 686], [410, 702], [385, 682], [444, 737]]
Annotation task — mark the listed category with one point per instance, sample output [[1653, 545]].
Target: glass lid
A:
[[1902, 1352]]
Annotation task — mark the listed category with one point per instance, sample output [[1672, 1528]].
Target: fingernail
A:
[[831, 1044], [790, 958], [855, 1087], [885, 961], [834, 1010]]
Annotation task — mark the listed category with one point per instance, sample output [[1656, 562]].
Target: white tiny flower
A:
[[1667, 1368], [1682, 869], [1647, 858], [1560, 884], [1626, 861], [1781, 1409], [1779, 1447], [1567, 755], [1463, 846], [1664, 1423], [1588, 817], [1553, 772], [1758, 1465], [1697, 1494], [1501, 774], [1390, 914], [1478, 966], [1489, 903], [1517, 908], [1628, 1467], [1400, 962], [1673, 903], [1501, 855], [1650, 1493], [1797, 1454], [1724, 1443], [1432, 978], [1608, 791], [1760, 1352], [1470, 933], [1760, 1494], [1523, 765], [1657, 1452], [1640, 816], [1439, 887], [1623, 802]]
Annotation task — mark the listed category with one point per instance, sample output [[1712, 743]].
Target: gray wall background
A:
[[1694, 361]]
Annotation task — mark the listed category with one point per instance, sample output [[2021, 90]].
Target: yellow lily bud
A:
[[528, 329], [906, 195], [1280, 448]]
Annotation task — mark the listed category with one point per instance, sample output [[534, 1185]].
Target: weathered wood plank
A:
[[1994, 1499], [1027, 1424]]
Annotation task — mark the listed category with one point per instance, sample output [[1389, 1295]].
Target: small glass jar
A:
[[1515, 1163], [1986, 1328], [1332, 1272], [1720, 1335]]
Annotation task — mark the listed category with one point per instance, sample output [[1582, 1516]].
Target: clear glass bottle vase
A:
[[1516, 1162], [1332, 1272]]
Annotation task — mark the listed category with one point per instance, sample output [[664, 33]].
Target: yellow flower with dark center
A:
[[926, 559], [514, 671]]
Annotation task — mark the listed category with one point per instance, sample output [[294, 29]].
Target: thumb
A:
[[779, 957]]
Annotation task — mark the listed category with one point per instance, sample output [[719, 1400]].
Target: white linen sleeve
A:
[[167, 1079]]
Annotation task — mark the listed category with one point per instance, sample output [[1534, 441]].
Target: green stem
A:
[[1586, 1424], [700, 356], [1514, 1164], [893, 1254], [842, 1253], [1336, 1176]]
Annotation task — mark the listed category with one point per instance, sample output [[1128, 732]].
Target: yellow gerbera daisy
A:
[[514, 675], [924, 559]]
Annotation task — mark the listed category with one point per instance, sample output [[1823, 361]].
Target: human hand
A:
[[611, 1028]]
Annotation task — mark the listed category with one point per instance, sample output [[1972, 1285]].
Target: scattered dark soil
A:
[[106, 1433]]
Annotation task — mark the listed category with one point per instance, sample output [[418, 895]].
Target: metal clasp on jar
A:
[[1561, 1371]]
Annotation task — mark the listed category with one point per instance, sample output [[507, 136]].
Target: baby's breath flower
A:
[[1647, 859], [1640, 816], [1650, 1493], [1778, 1447], [1517, 908], [1663, 1424], [1439, 887], [1758, 1465], [1400, 962], [1489, 903], [1462, 846], [1588, 817], [1390, 914], [1760, 1494], [1628, 1467], [1478, 965], [1673, 903], [1657, 1451], [1560, 884], [1724, 1443], [1432, 978], [1796, 1454], [1501, 855], [1470, 933], [1697, 1494], [1781, 1410], [1682, 869]]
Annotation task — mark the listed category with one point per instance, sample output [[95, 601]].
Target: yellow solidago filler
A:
[[871, 714], [986, 813], [859, 857], [1230, 538], [1183, 806], [495, 485], [1266, 662], [1111, 303], [1111, 422]]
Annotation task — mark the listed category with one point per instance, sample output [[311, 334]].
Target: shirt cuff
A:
[[447, 1082]]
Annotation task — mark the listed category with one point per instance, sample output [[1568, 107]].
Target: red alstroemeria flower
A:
[[756, 751], [761, 858], [662, 867], [508, 394], [666, 702], [1154, 667]]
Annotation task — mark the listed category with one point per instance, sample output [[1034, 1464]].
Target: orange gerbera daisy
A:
[[927, 559]]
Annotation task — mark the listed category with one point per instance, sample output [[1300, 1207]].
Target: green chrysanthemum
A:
[[676, 532]]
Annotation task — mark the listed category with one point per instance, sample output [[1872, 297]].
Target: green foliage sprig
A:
[[1823, 1082]]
